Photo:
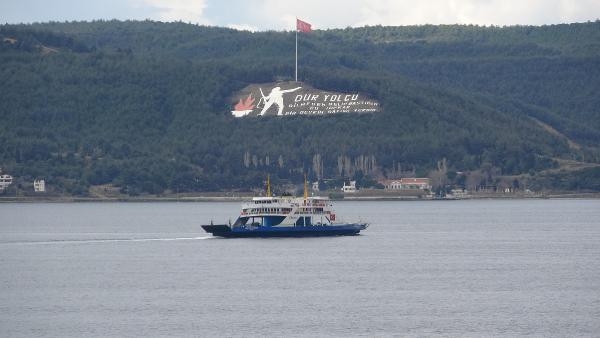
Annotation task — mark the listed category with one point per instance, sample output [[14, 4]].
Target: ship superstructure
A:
[[286, 216]]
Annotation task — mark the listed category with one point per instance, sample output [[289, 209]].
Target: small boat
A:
[[272, 216]]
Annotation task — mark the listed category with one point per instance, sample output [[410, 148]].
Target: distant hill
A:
[[145, 106]]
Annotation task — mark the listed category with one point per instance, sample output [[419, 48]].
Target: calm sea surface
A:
[[435, 268]]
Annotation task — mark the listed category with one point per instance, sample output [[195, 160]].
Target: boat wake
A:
[[110, 240]]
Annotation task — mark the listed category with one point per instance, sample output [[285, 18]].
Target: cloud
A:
[[243, 27], [176, 10], [497, 12], [280, 14]]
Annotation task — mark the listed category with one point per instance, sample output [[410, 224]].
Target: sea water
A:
[[431, 268]]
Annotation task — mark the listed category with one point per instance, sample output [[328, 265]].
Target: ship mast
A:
[[269, 186], [305, 189]]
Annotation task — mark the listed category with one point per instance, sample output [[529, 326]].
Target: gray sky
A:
[[280, 14]]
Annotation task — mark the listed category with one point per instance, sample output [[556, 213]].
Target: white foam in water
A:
[[85, 241]]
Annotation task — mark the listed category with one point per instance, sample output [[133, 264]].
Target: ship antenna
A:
[[305, 189], [268, 185]]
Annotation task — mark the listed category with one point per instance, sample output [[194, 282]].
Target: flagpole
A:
[[296, 49]]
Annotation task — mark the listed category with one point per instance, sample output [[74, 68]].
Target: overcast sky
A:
[[280, 14]]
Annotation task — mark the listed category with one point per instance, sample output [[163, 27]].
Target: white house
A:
[[5, 181], [39, 186], [350, 188]]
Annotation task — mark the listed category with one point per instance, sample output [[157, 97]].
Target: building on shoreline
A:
[[350, 188], [39, 186], [407, 184], [5, 180]]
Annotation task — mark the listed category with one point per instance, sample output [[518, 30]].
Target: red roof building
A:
[[408, 184]]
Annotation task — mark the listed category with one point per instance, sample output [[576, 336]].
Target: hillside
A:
[[145, 106]]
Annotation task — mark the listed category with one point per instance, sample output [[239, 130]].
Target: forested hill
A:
[[144, 107]]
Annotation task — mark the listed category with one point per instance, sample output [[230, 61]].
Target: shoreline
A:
[[224, 198]]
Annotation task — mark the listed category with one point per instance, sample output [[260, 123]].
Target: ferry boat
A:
[[272, 216]]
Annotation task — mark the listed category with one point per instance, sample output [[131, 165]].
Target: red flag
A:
[[303, 27]]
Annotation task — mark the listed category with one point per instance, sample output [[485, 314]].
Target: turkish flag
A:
[[303, 27]]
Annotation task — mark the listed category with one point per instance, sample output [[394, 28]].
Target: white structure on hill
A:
[[39, 186]]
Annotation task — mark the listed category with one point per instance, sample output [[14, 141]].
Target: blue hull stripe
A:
[[310, 231]]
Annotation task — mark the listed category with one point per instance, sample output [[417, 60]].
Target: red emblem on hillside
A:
[[247, 104]]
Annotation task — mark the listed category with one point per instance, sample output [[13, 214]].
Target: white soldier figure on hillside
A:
[[275, 97]]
